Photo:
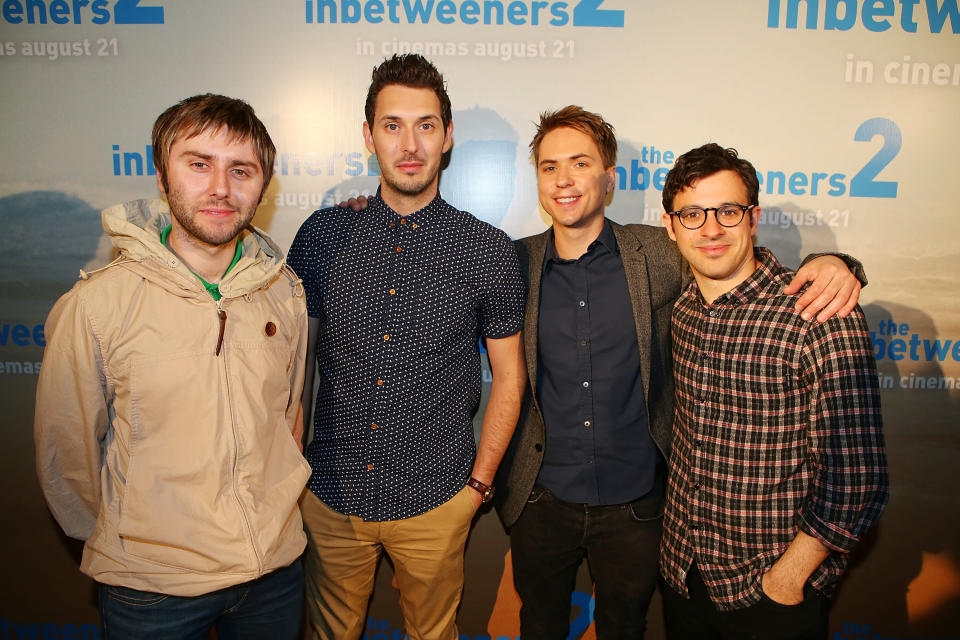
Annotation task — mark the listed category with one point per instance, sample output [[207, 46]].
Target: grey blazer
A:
[[655, 275]]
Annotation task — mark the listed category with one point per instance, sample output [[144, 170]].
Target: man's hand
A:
[[781, 588], [833, 289], [784, 581], [476, 497], [357, 204]]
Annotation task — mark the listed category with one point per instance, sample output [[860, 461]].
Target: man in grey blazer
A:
[[585, 472]]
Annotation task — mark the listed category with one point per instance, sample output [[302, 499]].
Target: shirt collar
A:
[[768, 271], [432, 212], [605, 241]]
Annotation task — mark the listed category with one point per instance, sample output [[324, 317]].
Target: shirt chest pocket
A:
[[767, 390]]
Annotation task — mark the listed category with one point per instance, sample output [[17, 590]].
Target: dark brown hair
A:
[[408, 70], [194, 115], [705, 161]]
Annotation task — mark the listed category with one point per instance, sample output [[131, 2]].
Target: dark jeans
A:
[[697, 619], [621, 545], [269, 607]]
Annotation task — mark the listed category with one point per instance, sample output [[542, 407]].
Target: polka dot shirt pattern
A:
[[402, 302]]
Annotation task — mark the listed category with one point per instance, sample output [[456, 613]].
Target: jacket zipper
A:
[[223, 325], [236, 441]]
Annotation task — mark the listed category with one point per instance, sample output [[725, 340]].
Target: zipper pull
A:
[[223, 325]]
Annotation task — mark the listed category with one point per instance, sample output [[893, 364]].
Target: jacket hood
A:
[[134, 228]]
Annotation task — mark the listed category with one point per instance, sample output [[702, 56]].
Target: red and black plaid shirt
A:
[[777, 429]]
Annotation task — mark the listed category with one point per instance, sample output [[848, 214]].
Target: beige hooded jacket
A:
[[162, 426]]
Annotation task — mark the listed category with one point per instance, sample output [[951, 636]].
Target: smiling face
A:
[[213, 185], [720, 257], [572, 182], [409, 140]]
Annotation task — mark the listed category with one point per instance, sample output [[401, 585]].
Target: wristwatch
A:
[[485, 490]]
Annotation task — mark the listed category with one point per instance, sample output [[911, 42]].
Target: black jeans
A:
[[697, 619], [621, 545]]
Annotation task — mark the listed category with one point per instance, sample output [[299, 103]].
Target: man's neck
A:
[[712, 289], [206, 260], [405, 204], [572, 242]]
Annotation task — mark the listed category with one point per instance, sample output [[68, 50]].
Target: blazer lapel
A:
[[536, 247], [638, 283]]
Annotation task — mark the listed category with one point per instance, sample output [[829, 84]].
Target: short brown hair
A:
[[192, 116], [703, 162], [408, 70], [574, 117]]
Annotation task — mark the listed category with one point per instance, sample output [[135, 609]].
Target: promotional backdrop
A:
[[848, 108]]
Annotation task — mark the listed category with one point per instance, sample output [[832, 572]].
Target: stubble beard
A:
[[408, 185], [188, 218]]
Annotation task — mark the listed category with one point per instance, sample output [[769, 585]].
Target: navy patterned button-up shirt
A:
[[402, 302]]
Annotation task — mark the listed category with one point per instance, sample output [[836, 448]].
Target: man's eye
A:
[[240, 172]]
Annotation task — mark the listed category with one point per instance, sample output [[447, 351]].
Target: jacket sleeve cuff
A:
[[855, 266]]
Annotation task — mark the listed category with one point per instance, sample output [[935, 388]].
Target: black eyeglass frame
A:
[[706, 212]]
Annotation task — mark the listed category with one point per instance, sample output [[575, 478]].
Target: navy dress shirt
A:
[[402, 302], [598, 445]]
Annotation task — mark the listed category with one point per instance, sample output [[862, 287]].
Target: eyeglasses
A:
[[728, 215]]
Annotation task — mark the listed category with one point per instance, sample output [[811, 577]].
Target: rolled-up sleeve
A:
[[850, 485]]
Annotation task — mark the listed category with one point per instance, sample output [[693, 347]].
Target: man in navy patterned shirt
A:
[[398, 296], [778, 465]]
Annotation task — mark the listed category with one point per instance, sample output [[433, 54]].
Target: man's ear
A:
[[448, 137], [754, 220], [160, 182], [668, 223], [368, 138]]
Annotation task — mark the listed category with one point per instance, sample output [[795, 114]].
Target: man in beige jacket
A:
[[168, 398]]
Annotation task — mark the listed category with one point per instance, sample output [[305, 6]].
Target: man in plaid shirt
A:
[[778, 465]]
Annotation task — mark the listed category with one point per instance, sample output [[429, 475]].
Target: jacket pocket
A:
[[179, 506]]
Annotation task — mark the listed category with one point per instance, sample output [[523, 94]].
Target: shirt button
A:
[[694, 526], [399, 249], [390, 223], [374, 426], [695, 488], [583, 343], [583, 303], [589, 460], [697, 443], [403, 221], [586, 423], [414, 225], [370, 467], [585, 384], [386, 337], [713, 313], [379, 383], [393, 292]]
